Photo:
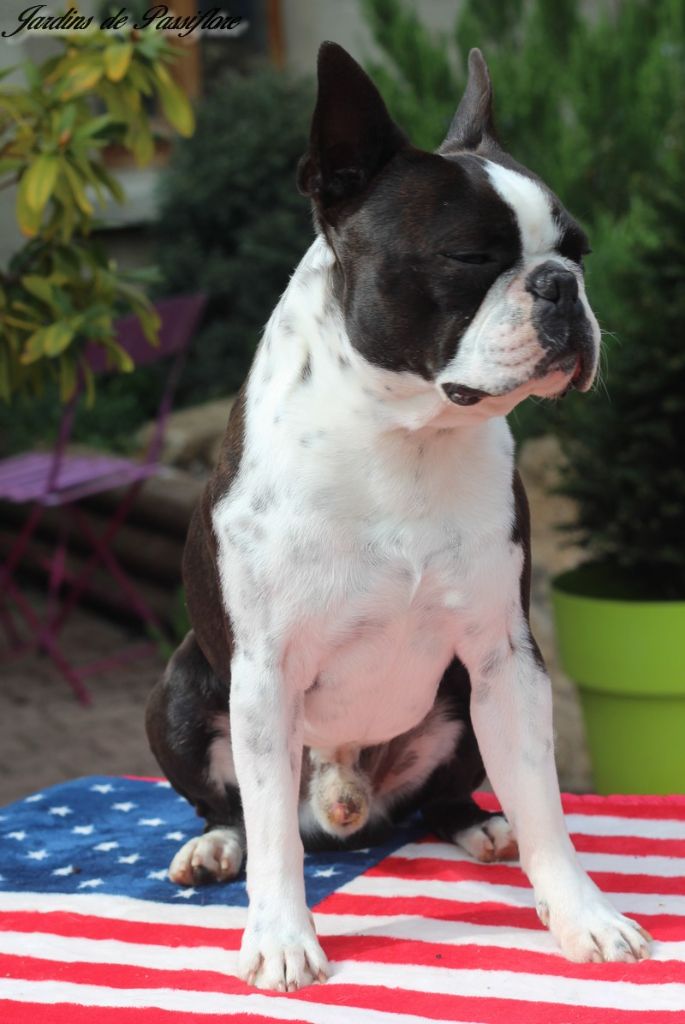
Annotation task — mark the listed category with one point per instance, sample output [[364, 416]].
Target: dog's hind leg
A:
[[187, 727]]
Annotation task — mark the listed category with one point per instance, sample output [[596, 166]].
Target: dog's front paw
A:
[[280, 953], [490, 840], [588, 928]]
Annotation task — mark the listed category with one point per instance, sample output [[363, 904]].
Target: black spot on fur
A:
[[306, 371]]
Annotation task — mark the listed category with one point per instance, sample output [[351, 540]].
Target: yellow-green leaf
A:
[[117, 60], [67, 377], [150, 322], [175, 103], [120, 356], [110, 182], [40, 180], [28, 218], [140, 142], [77, 189], [47, 341], [39, 287], [33, 349], [56, 338], [88, 382], [80, 79]]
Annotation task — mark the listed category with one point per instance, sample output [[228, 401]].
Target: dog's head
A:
[[459, 267]]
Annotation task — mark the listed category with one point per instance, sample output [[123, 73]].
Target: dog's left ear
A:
[[472, 124], [352, 134]]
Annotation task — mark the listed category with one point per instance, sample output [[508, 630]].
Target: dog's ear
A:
[[352, 134], [473, 124]]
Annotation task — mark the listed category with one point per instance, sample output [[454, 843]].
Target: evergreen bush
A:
[[231, 221], [625, 444]]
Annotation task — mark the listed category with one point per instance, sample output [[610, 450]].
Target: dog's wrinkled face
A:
[[460, 267]]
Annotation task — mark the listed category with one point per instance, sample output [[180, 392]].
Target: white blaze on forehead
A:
[[530, 203]]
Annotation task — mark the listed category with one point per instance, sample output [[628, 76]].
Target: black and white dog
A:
[[358, 570]]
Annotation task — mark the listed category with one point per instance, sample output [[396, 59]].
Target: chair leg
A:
[[80, 584], [140, 606], [21, 543], [7, 572], [56, 577], [13, 638], [46, 640]]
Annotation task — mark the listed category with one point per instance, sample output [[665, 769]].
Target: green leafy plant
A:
[[231, 221], [60, 290]]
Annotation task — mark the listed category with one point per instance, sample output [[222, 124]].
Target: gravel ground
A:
[[47, 737]]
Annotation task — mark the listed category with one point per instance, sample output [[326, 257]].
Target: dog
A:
[[358, 570]]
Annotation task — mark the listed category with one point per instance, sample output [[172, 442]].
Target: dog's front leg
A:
[[279, 948], [511, 711]]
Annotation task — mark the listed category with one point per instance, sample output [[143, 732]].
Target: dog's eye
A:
[[473, 258]]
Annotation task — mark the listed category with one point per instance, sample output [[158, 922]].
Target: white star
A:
[[34, 798], [92, 884], [83, 830], [131, 859], [367, 850], [158, 876], [152, 822], [325, 873], [16, 835], [61, 811], [164, 785], [106, 847], [123, 807], [68, 870], [38, 855], [175, 835], [185, 894], [102, 789]]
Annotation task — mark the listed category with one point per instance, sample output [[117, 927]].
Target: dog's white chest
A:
[[383, 659]]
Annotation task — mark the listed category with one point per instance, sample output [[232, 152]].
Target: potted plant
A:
[[620, 616]]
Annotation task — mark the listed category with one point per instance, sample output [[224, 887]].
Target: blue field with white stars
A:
[[117, 836]]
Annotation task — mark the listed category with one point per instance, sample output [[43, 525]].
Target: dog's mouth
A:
[[464, 395]]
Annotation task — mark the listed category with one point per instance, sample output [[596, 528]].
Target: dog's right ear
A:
[[352, 134]]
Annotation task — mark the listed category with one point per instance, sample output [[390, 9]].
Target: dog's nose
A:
[[553, 283]]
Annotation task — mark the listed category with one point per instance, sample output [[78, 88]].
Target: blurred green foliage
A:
[[231, 221], [592, 99], [60, 289]]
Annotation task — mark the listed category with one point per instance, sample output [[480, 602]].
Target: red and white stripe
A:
[[427, 935]]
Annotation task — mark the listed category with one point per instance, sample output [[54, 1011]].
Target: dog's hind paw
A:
[[490, 840], [217, 856]]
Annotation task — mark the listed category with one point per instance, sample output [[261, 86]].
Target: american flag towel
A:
[[92, 932]]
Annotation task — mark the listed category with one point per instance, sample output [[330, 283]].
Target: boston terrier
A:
[[358, 570]]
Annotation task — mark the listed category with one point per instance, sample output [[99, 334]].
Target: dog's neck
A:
[[305, 341]]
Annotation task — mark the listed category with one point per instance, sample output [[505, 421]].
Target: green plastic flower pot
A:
[[628, 660]]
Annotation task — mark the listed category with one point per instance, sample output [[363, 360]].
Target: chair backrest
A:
[[179, 317]]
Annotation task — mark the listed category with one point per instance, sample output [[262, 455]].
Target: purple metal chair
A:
[[59, 478]]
